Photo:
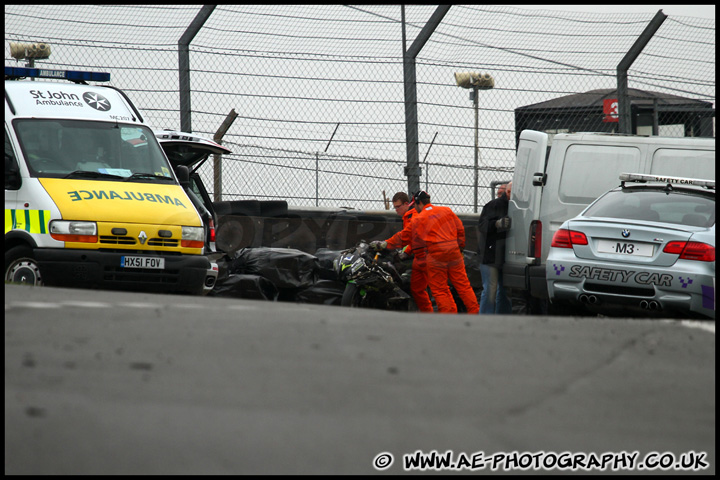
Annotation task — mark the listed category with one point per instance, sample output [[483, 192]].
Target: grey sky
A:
[[702, 11]]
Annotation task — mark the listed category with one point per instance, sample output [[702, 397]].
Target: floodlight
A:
[[37, 50], [481, 81]]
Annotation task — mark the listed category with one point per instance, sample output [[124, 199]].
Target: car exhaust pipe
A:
[[591, 299], [644, 304], [653, 305]]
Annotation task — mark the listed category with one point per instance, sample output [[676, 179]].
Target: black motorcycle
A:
[[374, 279]]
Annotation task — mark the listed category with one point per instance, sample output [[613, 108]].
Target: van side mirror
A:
[[183, 174], [539, 179]]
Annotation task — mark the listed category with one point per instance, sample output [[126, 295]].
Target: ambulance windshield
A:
[[92, 150]]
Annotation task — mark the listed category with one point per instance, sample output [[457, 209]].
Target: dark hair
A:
[[402, 196], [422, 196]]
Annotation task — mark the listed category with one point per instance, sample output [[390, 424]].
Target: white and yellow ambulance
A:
[[90, 198]]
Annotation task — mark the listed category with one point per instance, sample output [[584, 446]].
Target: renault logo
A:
[[626, 233], [142, 237]]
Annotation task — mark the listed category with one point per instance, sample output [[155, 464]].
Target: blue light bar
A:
[[72, 75]]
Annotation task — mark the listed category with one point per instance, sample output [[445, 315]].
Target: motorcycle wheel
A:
[[351, 296]]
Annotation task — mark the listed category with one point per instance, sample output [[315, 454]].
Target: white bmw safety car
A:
[[645, 248]]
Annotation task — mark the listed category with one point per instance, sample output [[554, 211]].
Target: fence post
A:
[[624, 110], [217, 166], [427, 170], [412, 170], [184, 65], [317, 166]]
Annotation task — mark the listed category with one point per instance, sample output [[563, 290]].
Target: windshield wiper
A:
[[92, 174], [148, 176]]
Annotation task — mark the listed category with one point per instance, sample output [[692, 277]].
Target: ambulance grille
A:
[[108, 239], [162, 242]]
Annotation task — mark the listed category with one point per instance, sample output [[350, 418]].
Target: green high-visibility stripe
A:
[[41, 218]]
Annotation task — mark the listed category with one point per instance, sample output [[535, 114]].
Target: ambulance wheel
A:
[[21, 267]]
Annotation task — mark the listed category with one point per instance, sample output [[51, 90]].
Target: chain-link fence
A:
[[319, 89]]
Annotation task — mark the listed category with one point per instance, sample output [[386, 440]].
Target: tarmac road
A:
[[122, 383]]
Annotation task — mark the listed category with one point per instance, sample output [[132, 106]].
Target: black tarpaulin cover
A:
[[284, 267], [325, 258], [326, 292]]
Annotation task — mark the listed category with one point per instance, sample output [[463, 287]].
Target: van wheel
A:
[[21, 267]]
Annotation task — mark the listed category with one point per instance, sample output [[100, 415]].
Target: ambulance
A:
[[91, 200]]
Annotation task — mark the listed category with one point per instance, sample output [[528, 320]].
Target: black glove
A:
[[502, 224], [378, 245]]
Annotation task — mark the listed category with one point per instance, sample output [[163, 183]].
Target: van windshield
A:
[[91, 150]]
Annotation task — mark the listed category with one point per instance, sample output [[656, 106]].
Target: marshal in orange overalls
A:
[[418, 274], [440, 234]]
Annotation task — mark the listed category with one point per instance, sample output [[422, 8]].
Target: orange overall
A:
[[440, 234], [418, 275]]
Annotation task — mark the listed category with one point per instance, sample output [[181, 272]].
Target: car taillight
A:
[[701, 252], [565, 238], [578, 238], [535, 239], [211, 228]]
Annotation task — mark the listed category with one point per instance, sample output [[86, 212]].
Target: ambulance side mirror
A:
[[183, 174]]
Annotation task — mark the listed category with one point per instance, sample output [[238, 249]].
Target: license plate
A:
[[157, 263], [626, 248]]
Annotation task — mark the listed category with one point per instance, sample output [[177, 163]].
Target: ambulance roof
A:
[[43, 99]]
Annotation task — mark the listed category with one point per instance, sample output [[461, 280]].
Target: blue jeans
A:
[[494, 298]]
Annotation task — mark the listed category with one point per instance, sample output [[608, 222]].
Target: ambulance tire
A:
[[21, 266]]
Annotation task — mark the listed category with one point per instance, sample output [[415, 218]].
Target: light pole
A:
[[476, 81]]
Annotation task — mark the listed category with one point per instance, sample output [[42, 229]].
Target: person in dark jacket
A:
[[493, 225]]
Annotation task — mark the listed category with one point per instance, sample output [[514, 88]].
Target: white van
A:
[[90, 198], [551, 185]]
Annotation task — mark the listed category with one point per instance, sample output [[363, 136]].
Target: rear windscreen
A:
[[677, 207]]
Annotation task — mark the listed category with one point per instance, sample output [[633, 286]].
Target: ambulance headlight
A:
[[193, 237], [73, 231]]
